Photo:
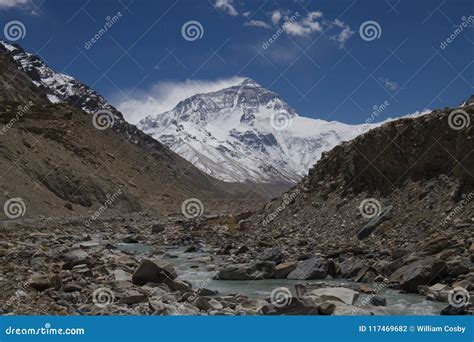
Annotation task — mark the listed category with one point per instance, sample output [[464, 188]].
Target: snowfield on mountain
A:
[[247, 133]]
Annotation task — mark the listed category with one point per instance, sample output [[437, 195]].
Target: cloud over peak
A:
[[165, 95]]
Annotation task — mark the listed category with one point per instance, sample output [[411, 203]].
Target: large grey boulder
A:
[[149, 271], [314, 268], [420, 272], [282, 270]]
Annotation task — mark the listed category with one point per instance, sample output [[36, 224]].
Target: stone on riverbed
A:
[[294, 306], [378, 301], [151, 272], [284, 269], [314, 268], [132, 297], [341, 294], [420, 272], [40, 282]]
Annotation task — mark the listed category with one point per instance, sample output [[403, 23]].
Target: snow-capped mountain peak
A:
[[246, 133]]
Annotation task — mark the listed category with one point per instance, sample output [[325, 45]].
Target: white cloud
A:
[[6, 4], [257, 23], [390, 85], [276, 17], [226, 6], [165, 95], [306, 26], [25, 5], [344, 34]]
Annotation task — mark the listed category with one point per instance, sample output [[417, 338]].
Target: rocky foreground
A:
[[61, 267]]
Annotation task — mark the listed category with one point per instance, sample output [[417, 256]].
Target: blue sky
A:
[[319, 62]]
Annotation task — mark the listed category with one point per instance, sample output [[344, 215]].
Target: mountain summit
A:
[[246, 133]]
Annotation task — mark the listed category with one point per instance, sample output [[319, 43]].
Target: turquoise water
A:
[[200, 274]]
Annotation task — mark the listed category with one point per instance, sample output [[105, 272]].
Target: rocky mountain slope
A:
[[54, 158], [401, 195], [247, 133]]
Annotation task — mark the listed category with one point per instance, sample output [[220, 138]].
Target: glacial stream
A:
[[199, 270]]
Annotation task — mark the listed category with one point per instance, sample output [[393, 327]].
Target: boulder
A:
[[378, 300], [158, 228], [206, 304], [234, 272], [150, 272], [132, 297], [72, 287], [300, 290], [207, 292], [454, 311], [333, 268], [40, 282], [326, 308], [75, 257], [271, 254], [282, 270], [341, 294], [178, 285], [420, 272], [350, 267], [294, 306], [384, 215], [130, 239], [191, 249], [242, 250], [314, 268]]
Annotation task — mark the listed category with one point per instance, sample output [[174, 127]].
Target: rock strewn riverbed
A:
[[61, 267]]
